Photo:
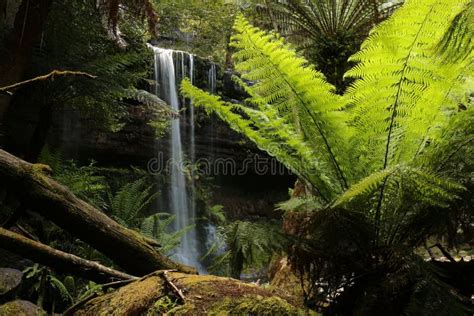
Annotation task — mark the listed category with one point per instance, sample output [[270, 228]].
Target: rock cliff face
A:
[[247, 181]]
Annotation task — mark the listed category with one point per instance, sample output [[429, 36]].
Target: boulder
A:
[[9, 280]]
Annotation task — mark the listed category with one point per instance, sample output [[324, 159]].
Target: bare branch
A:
[[52, 75]]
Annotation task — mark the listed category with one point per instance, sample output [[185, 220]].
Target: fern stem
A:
[[344, 185]]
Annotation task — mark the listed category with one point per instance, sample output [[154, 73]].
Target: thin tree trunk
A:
[[19, 43], [57, 259], [128, 249]]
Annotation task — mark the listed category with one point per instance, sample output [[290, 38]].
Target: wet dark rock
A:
[[9, 280]]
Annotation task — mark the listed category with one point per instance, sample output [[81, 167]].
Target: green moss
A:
[[162, 306], [134, 299], [21, 308], [203, 294], [40, 173], [255, 305]]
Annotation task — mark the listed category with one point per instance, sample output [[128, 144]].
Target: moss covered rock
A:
[[185, 294]]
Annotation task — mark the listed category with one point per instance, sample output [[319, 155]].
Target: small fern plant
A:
[[130, 201], [384, 158], [157, 226], [242, 244]]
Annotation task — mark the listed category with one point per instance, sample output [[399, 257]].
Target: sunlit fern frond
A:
[[286, 82], [271, 134], [402, 82], [458, 43], [424, 186]]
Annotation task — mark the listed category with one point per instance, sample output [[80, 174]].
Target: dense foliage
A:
[[367, 102]]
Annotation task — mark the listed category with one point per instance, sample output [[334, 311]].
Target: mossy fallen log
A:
[[37, 191], [201, 295]]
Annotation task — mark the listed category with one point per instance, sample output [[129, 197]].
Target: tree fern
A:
[[328, 31], [382, 158]]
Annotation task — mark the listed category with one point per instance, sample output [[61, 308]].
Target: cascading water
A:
[[181, 197], [210, 228], [192, 140], [170, 68], [212, 78]]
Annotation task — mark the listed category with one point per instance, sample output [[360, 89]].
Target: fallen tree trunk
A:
[[57, 259], [128, 249], [173, 293]]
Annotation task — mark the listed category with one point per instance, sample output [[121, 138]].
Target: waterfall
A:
[[192, 140], [171, 67], [191, 110], [212, 78], [181, 197]]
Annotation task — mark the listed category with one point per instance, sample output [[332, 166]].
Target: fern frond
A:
[[130, 200], [151, 100], [61, 288], [365, 186], [157, 226], [457, 44], [52, 158], [295, 109], [83, 181], [402, 83], [270, 133], [286, 82], [423, 185]]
